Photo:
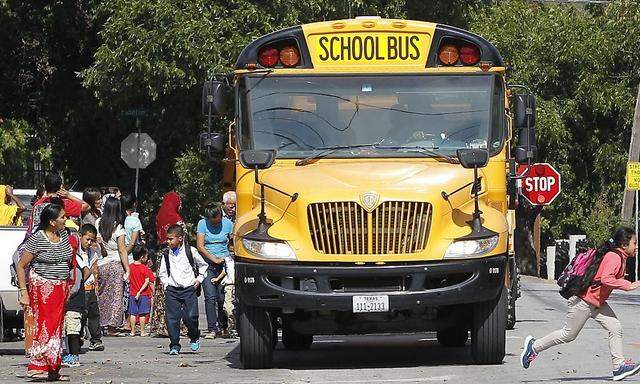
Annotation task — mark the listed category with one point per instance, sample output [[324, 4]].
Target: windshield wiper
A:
[[324, 151], [426, 150]]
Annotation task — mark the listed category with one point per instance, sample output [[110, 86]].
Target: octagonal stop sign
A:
[[540, 183], [138, 150]]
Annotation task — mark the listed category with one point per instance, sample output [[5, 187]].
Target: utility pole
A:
[[634, 155]]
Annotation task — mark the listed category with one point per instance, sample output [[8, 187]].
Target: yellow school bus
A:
[[372, 160]]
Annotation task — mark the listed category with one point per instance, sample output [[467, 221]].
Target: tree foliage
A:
[[581, 64], [70, 70]]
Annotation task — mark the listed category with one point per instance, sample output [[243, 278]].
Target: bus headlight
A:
[[272, 250], [470, 248]]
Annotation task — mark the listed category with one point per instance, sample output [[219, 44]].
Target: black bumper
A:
[[322, 287]]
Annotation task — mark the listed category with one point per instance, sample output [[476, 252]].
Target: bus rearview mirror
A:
[[524, 108], [215, 96]]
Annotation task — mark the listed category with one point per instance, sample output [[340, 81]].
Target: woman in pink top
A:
[[605, 274]]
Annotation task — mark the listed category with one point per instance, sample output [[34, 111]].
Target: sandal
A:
[[35, 372], [57, 377]]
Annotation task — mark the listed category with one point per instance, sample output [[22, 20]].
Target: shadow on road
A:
[[369, 351], [12, 351], [571, 379]]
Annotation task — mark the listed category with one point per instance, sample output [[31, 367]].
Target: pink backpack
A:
[[572, 275]]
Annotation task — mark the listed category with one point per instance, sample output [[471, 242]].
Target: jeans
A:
[[91, 316], [181, 303], [214, 302], [579, 312]]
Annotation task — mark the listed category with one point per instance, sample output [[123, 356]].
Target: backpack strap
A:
[[74, 241], [192, 262], [166, 261]]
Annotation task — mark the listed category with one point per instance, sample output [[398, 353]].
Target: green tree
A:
[[581, 65]]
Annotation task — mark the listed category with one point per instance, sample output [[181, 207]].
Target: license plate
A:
[[378, 303]]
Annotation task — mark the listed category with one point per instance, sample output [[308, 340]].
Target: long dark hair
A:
[[90, 196], [50, 212], [620, 239], [111, 217]]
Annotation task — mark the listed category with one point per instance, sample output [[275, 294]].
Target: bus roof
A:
[[388, 43]]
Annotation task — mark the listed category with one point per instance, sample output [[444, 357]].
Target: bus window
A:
[[299, 114]]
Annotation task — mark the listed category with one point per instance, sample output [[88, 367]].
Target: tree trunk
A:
[[526, 256], [634, 155]]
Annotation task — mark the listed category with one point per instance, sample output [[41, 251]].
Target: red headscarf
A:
[[168, 215]]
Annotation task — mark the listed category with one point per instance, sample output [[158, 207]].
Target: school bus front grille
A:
[[394, 227]]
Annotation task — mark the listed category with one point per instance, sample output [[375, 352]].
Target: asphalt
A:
[[412, 358]]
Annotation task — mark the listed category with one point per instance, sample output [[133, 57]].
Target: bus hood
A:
[[340, 180]]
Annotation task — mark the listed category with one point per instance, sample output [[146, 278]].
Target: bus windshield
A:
[[299, 115]]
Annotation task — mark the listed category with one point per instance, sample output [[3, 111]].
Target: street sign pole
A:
[[633, 184], [138, 156]]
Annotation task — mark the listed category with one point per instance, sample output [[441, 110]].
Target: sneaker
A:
[[71, 361], [174, 351], [210, 335], [528, 354], [65, 360], [97, 346], [627, 369], [195, 345]]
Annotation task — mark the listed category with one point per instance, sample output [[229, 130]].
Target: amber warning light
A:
[[463, 53]]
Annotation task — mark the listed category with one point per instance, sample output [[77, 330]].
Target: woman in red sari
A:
[[168, 215], [48, 254]]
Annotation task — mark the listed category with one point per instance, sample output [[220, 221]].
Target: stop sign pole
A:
[[138, 150]]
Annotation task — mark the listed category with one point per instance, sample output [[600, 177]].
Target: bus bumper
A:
[[408, 286]]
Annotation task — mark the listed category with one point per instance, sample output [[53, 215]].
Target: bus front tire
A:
[[488, 330], [1, 321], [256, 338]]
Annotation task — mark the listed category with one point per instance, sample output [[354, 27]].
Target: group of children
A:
[[82, 305]]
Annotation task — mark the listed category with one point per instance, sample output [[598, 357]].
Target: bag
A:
[[75, 281], [572, 280], [187, 250]]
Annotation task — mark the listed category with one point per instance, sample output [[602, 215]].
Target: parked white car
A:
[[10, 238]]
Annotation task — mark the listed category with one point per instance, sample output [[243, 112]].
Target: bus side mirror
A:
[[257, 159], [524, 111], [524, 107], [212, 140], [473, 158], [215, 98]]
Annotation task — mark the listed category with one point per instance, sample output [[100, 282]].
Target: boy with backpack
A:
[[587, 293], [181, 272]]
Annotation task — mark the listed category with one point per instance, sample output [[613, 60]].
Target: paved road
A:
[[366, 359]]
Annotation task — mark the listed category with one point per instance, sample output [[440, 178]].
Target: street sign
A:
[[633, 176], [540, 183], [135, 112], [138, 150]]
